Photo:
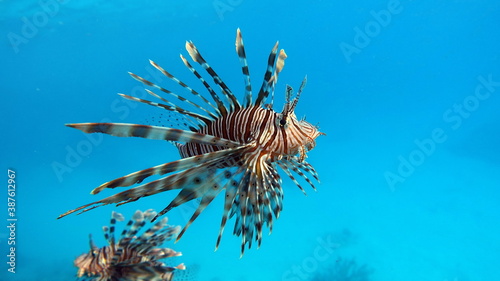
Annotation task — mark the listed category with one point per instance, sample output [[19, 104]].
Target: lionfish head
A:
[[287, 116], [84, 263], [312, 132]]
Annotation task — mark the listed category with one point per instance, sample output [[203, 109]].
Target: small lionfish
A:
[[131, 258], [231, 146]]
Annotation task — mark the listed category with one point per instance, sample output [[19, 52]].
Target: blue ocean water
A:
[[407, 92]]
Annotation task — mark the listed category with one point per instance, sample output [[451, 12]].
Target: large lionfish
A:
[[231, 146], [131, 258]]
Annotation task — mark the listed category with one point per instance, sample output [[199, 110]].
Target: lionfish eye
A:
[[281, 120]]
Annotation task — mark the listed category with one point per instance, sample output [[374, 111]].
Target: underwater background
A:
[[407, 92]]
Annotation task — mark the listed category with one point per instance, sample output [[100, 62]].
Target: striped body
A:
[[130, 258], [253, 123], [231, 146]]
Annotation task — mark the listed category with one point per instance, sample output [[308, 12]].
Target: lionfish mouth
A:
[[229, 147]]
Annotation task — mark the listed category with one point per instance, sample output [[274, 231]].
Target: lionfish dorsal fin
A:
[[301, 88], [240, 50], [288, 93], [196, 56], [109, 232], [221, 108], [201, 118], [289, 103], [264, 89], [92, 245], [182, 99], [182, 84], [280, 63], [133, 226]]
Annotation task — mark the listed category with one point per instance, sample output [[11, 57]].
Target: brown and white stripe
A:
[[131, 257], [235, 147]]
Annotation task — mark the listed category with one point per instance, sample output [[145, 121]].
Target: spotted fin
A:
[[162, 169], [193, 182]]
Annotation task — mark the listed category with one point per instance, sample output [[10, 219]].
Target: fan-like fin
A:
[[196, 56], [171, 107], [147, 241], [211, 189], [186, 180], [222, 110], [290, 175], [280, 63], [109, 232], [286, 166], [144, 81], [264, 89], [304, 166], [230, 196], [184, 85], [299, 92], [162, 169], [133, 226], [153, 132], [240, 50]]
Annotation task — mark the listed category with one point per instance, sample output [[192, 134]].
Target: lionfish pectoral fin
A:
[[205, 186], [186, 180], [224, 179], [134, 194], [290, 175], [153, 132], [230, 199], [82, 208], [298, 167], [121, 198], [146, 271], [248, 199], [166, 168], [184, 196], [228, 203], [205, 201]]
